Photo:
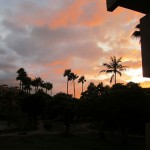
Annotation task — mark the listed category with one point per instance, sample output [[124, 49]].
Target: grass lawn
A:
[[60, 142]]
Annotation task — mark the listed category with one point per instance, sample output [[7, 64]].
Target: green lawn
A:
[[60, 142]]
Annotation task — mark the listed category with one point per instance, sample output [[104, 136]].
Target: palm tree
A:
[[137, 32], [33, 83], [73, 77], [21, 76], [114, 67], [82, 80], [27, 84], [48, 86], [44, 85], [37, 82], [51, 87], [67, 74]]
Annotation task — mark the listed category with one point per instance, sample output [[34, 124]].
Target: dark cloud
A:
[[12, 27], [2, 51]]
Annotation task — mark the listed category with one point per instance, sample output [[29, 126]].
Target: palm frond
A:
[[107, 65], [112, 78], [119, 73], [136, 34], [109, 71], [102, 71], [119, 60], [114, 66], [138, 26]]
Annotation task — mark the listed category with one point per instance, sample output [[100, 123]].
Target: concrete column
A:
[[145, 44]]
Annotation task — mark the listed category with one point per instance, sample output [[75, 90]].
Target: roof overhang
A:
[[136, 5]]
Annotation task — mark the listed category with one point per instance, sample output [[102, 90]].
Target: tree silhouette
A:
[[22, 75], [48, 86], [67, 74], [73, 77], [33, 82], [137, 32], [82, 80], [114, 67], [127, 108], [90, 93], [65, 107], [51, 87], [37, 82], [27, 84], [35, 104], [102, 89]]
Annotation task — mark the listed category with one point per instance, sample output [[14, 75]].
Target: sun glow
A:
[[136, 75]]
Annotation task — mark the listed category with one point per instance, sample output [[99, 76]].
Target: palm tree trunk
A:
[[115, 79], [35, 89], [20, 85], [51, 92], [67, 86], [82, 87], [74, 89]]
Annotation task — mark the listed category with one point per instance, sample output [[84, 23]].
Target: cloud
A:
[[47, 38]]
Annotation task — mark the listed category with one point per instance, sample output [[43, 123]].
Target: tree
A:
[[51, 87], [137, 32], [67, 74], [48, 86], [73, 77], [27, 84], [90, 93], [126, 105], [37, 82], [102, 90], [133, 85], [35, 104], [66, 108], [22, 75], [82, 80], [93, 106], [44, 86], [114, 67]]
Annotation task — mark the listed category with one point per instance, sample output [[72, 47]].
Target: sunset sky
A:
[[46, 37]]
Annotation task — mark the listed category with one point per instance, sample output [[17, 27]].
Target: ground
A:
[[81, 140]]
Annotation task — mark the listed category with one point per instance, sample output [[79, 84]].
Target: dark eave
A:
[[142, 6]]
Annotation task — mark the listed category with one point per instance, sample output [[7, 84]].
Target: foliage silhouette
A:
[[27, 84], [122, 108], [115, 67], [35, 104], [82, 80], [67, 74], [73, 77], [137, 33], [127, 108], [66, 108], [22, 75], [48, 86]]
